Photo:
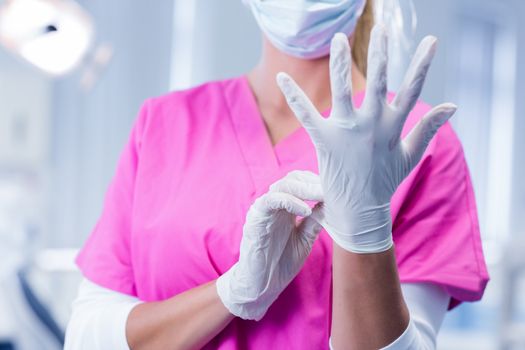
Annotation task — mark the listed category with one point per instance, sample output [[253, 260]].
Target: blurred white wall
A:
[[24, 127], [223, 37], [25, 132]]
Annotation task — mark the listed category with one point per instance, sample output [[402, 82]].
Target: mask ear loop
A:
[[400, 19]]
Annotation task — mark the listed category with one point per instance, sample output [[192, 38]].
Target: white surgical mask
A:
[[304, 28]]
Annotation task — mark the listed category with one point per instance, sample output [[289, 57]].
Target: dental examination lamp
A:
[[56, 36], [53, 35]]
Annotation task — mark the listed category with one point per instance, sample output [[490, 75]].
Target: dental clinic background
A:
[[61, 135]]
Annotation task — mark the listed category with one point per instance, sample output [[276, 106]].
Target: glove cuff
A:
[[241, 306], [363, 232], [363, 247]]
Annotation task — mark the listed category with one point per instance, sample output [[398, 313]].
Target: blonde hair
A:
[[362, 37]]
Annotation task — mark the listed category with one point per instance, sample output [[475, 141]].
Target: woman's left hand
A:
[[274, 245], [362, 159]]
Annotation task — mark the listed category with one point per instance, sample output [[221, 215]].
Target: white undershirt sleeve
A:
[[98, 320], [428, 304], [99, 317]]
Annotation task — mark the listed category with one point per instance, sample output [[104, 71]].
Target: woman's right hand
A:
[[361, 154], [274, 245]]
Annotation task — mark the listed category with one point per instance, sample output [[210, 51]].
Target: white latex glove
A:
[[274, 245], [362, 159]]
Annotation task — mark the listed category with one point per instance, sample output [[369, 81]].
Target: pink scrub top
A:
[[195, 162]]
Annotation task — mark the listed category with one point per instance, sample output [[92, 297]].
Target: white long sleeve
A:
[[427, 304], [99, 317], [98, 320]]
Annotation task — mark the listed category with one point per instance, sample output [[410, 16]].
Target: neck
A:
[[311, 75]]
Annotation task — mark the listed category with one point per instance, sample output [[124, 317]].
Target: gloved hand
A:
[[362, 158], [274, 245]]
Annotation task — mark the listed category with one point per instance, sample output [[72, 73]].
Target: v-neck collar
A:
[[284, 144], [250, 127], [265, 161], [250, 131]]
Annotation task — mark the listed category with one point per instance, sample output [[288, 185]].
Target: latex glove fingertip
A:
[[283, 80]]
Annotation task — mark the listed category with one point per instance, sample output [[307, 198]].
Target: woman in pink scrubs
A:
[[186, 184]]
